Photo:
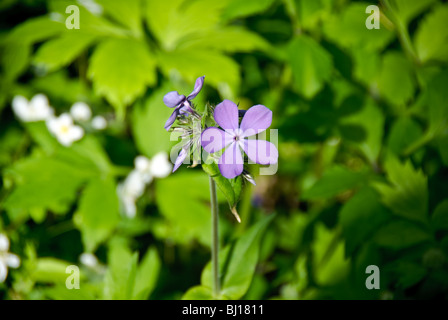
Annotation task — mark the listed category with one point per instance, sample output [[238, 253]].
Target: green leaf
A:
[[189, 218], [372, 120], [401, 234], [171, 21], [221, 71], [409, 9], [238, 9], [348, 29], [126, 13], [148, 119], [360, 217], [60, 52], [403, 133], [15, 58], [334, 181], [44, 184], [147, 275], [35, 30], [311, 12], [431, 36], [229, 39], [330, 265], [409, 273], [121, 69], [311, 65], [50, 270], [243, 261], [121, 274], [437, 98], [97, 218], [439, 218], [198, 293], [396, 81], [407, 194], [225, 185]]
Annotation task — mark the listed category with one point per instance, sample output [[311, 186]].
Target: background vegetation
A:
[[363, 141]]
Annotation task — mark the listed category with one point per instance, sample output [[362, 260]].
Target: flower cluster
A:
[[7, 259], [226, 134], [62, 127], [133, 187]]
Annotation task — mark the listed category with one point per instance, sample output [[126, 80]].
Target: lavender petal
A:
[[226, 115], [260, 151], [171, 119], [197, 88], [231, 162], [257, 119], [214, 139], [173, 99]]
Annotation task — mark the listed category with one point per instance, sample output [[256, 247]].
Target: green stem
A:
[[215, 237]]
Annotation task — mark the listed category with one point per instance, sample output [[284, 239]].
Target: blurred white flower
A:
[[6, 259], [99, 123], [64, 130], [80, 111], [91, 6], [35, 110], [134, 185], [89, 260], [160, 167], [143, 167], [129, 191]]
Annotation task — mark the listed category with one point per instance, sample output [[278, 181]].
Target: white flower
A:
[[143, 166], [80, 111], [99, 123], [89, 260], [160, 166], [6, 259], [64, 130], [35, 110], [129, 191]]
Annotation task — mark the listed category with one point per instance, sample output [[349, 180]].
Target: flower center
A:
[[64, 129], [236, 138]]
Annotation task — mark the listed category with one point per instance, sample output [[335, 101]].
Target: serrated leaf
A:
[[44, 183], [334, 181], [348, 29], [121, 69], [360, 217], [229, 39], [59, 52], [330, 265], [396, 81], [432, 34], [220, 70], [400, 234], [311, 65], [407, 194], [97, 219], [127, 13]]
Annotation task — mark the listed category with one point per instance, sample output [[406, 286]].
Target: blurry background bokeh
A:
[[363, 141]]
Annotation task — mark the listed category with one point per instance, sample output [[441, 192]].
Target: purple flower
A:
[[257, 119], [180, 103]]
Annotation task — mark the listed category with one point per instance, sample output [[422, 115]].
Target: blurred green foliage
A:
[[363, 140]]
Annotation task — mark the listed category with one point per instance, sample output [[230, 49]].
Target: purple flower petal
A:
[[214, 139], [173, 99], [257, 119], [226, 115], [171, 119], [197, 87], [231, 162], [260, 151], [180, 158]]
